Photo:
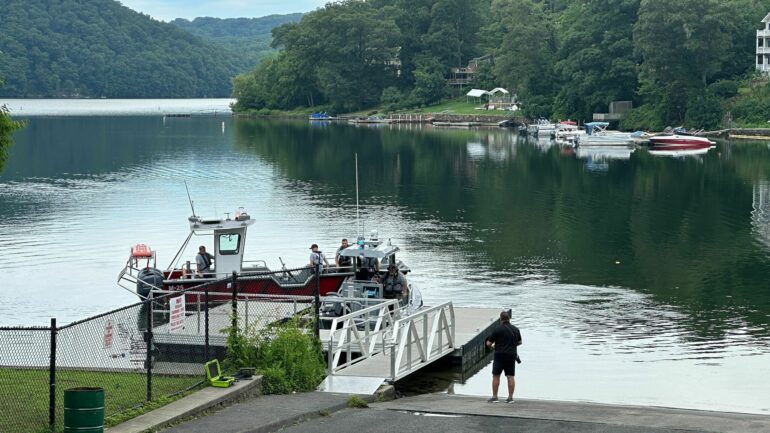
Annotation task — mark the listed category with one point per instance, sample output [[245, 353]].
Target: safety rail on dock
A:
[[361, 334], [433, 339]]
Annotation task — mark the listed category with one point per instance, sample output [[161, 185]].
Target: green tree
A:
[[596, 61], [524, 60], [7, 126], [429, 83]]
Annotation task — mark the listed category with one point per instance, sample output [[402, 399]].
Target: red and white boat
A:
[[141, 276], [678, 142]]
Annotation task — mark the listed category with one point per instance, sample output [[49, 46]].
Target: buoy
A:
[[223, 127]]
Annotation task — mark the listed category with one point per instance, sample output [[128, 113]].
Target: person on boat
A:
[[505, 338], [340, 260], [317, 259], [394, 283], [203, 263]]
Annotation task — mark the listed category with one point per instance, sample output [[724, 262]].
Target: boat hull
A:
[[266, 284], [679, 143]]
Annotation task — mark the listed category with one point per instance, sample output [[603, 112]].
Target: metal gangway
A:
[[383, 343]]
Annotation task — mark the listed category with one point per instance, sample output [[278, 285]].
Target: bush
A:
[[704, 110], [647, 117], [287, 355]]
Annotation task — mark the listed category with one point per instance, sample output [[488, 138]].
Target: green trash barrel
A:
[[84, 410]]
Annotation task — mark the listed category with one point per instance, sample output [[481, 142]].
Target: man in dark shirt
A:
[[505, 338]]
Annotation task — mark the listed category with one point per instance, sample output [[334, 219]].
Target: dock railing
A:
[[361, 334], [429, 332]]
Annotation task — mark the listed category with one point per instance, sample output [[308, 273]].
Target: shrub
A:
[[357, 402], [287, 355]]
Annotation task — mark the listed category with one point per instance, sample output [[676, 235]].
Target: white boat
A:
[[568, 133], [541, 128], [598, 135]]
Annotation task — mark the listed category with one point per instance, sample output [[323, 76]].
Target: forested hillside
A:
[[245, 40], [97, 48], [688, 61]]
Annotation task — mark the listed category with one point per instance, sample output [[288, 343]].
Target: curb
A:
[[209, 398]]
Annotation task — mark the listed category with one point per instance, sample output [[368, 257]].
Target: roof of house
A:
[[766, 19], [498, 90]]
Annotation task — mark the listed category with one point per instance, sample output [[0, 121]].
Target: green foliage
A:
[[485, 77], [704, 110], [645, 117], [287, 355], [753, 108], [245, 40], [71, 48], [562, 59], [7, 126], [357, 402], [429, 83]]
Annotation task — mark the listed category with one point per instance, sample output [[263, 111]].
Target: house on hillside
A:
[[763, 46], [463, 76]]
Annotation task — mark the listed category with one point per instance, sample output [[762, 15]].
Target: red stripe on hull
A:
[[220, 292]]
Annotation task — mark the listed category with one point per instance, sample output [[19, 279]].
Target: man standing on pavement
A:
[[505, 339]]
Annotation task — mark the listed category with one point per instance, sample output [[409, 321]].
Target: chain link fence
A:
[[150, 351]]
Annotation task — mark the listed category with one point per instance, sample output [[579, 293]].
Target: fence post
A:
[[317, 302], [52, 378], [206, 325], [235, 302], [148, 342]]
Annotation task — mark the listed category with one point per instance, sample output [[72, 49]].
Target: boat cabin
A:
[[229, 242]]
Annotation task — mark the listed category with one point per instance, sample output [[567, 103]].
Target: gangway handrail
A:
[[345, 335], [430, 342]]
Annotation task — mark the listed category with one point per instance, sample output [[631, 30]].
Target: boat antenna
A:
[[358, 220], [189, 198]]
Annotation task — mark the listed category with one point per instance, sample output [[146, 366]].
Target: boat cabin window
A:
[[229, 243]]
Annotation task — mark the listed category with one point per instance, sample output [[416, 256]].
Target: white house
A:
[[763, 46]]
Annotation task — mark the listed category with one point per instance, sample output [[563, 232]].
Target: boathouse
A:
[[763, 46]]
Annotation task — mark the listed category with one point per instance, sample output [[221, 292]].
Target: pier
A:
[[365, 348]]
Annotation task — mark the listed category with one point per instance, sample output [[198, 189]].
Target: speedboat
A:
[[671, 142]]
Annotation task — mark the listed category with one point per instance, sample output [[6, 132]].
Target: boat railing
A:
[[429, 332], [361, 334]]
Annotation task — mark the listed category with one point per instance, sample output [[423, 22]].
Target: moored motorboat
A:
[[141, 276], [598, 135], [671, 142]]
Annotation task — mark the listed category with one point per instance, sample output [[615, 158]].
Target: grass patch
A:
[[24, 395], [357, 402]]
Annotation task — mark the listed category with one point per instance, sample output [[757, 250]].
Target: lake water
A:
[[634, 279]]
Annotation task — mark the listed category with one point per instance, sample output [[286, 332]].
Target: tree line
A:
[[99, 48], [685, 62]]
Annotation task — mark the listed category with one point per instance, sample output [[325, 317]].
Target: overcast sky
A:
[[167, 10]]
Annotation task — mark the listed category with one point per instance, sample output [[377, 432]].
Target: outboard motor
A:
[[147, 279]]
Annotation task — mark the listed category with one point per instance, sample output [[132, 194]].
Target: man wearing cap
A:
[[505, 339], [394, 283], [317, 259]]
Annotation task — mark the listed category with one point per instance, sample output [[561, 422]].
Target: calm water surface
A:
[[634, 279]]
